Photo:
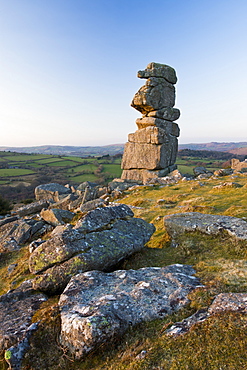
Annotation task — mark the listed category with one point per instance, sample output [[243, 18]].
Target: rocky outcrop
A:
[[178, 224], [98, 241], [51, 191], [96, 307], [151, 151]]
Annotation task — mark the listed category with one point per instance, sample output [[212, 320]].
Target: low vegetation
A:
[[221, 264]]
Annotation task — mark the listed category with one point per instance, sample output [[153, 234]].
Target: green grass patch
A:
[[84, 167], [185, 169], [61, 163], [113, 169], [6, 172], [85, 177], [26, 157], [50, 160]]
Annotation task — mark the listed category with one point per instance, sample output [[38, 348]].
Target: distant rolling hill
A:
[[221, 147], [239, 151], [235, 148], [69, 150]]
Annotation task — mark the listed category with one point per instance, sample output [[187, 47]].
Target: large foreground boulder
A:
[[96, 306], [100, 240]]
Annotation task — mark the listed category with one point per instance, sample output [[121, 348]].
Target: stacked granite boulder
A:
[[151, 151]]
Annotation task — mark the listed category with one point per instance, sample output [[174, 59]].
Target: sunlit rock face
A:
[[151, 151]]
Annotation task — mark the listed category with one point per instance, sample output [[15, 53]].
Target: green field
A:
[[6, 172], [113, 169], [34, 169], [86, 177], [24, 157]]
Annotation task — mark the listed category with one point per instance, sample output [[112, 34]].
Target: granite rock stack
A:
[[151, 151]]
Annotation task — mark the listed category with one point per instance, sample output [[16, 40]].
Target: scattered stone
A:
[[32, 208], [96, 307], [201, 171], [178, 224], [223, 172], [184, 326], [66, 202], [14, 234], [119, 185], [236, 302], [51, 191], [91, 204], [151, 151], [7, 220], [15, 354], [11, 268], [17, 308], [225, 185], [56, 216]]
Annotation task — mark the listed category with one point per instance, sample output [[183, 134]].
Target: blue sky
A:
[[68, 68]]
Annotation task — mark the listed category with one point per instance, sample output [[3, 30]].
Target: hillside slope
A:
[[220, 263]]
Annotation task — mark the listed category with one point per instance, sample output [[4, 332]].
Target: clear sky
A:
[[68, 68]]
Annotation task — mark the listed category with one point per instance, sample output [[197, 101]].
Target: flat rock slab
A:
[[180, 223], [97, 306], [16, 311]]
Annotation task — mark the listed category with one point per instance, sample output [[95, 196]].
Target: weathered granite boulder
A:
[[177, 224], [168, 113], [96, 307], [32, 208], [149, 135], [171, 128], [51, 191], [17, 308], [56, 216], [99, 241], [16, 233], [149, 156], [159, 70], [91, 204], [66, 203], [156, 94]]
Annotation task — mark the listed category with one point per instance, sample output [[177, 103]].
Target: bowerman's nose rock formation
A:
[[151, 151]]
